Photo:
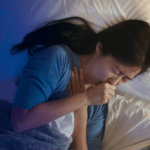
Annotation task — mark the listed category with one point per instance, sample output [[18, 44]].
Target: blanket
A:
[[41, 138]]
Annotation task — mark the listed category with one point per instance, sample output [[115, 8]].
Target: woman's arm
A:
[[79, 133], [43, 113]]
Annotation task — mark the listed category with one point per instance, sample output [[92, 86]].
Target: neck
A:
[[85, 67]]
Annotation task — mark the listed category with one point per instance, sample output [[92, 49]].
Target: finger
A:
[[109, 97], [106, 100], [82, 85], [107, 85], [69, 89], [110, 92], [113, 87], [77, 78], [73, 84]]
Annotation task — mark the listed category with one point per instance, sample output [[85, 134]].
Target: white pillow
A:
[[139, 86], [127, 124]]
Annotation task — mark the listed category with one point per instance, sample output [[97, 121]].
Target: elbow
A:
[[16, 126], [17, 119]]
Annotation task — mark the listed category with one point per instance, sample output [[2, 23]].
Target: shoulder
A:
[[52, 51], [49, 60], [51, 55]]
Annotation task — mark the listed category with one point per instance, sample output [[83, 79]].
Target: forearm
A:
[[46, 112], [79, 133]]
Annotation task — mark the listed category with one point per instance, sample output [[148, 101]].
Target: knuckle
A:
[[110, 97], [105, 85], [105, 93], [104, 97], [105, 100]]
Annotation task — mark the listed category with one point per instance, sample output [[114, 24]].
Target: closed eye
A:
[[113, 71], [126, 78]]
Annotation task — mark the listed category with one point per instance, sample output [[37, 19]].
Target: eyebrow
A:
[[122, 73]]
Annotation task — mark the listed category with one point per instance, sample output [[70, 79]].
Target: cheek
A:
[[106, 74], [121, 83]]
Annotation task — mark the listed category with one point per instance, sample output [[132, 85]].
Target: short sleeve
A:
[[40, 76]]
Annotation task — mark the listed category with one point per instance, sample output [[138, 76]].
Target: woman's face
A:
[[100, 69]]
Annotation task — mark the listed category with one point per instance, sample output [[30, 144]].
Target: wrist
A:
[[85, 99], [82, 110]]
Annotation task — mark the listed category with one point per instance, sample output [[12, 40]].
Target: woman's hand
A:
[[76, 86], [77, 83], [96, 95], [100, 94], [79, 134]]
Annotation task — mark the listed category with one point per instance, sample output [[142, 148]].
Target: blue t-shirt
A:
[[45, 78]]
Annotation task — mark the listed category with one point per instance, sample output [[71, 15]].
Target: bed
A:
[[128, 120]]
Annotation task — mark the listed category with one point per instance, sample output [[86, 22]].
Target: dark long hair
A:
[[128, 41]]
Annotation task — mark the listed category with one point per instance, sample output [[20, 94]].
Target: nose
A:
[[115, 81]]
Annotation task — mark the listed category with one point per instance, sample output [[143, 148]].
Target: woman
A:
[[109, 58]]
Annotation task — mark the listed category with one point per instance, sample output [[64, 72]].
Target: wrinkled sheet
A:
[[128, 123]]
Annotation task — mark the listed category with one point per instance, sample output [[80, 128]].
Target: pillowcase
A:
[[128, 123]]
